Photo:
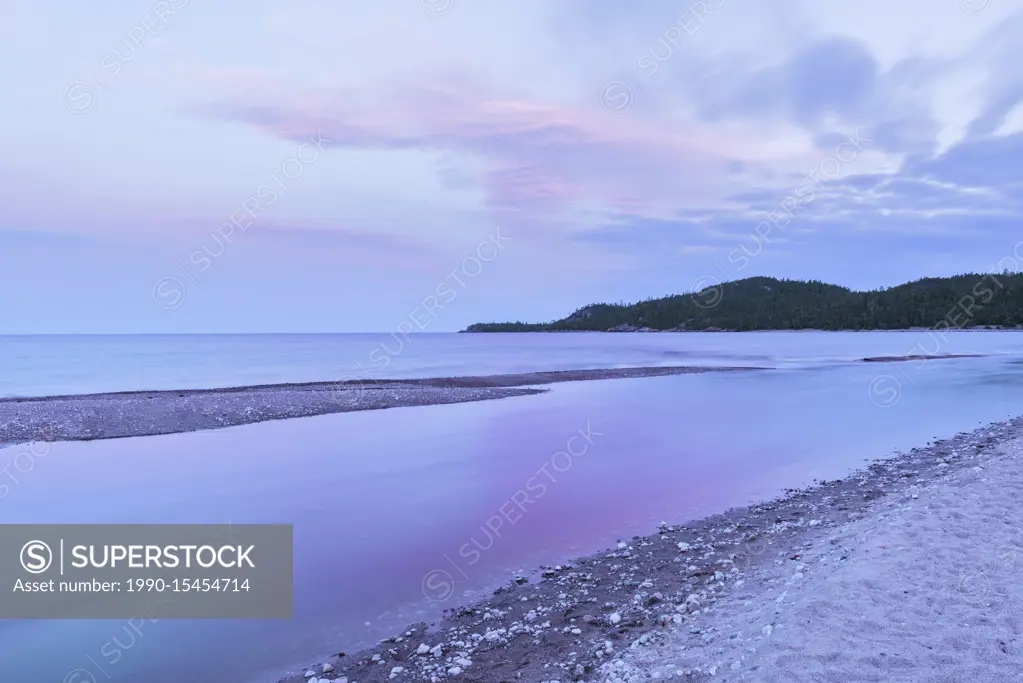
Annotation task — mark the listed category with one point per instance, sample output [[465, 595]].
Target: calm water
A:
[[382, 500], [51, 365]]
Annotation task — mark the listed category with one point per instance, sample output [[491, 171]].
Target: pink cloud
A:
[[537, 159]]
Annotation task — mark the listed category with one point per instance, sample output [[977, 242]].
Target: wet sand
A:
[[704, 599], [87, 417]]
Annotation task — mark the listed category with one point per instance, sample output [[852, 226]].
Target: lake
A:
[[385, 502]]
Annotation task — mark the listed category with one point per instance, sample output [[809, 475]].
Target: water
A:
[[53, 365], [390, 507]]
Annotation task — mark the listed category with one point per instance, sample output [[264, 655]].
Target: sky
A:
[[327, 166]]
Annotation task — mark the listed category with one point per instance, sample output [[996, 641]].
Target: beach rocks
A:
[[143, 413]]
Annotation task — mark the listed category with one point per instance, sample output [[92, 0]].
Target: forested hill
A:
[[763, 303]]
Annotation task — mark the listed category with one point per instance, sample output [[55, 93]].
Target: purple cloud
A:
[[537, 160]]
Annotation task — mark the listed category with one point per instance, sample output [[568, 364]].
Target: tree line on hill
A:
[[764, 303]]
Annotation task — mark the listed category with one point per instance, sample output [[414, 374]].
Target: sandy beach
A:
[[922, 588], [88, 417], [902, 571]]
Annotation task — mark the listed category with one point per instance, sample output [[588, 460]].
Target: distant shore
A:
[[631, 329], [765, 303], [87, 417]]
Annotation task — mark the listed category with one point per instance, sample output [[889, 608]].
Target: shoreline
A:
[[125, 414], [622, 614], [923, 588]]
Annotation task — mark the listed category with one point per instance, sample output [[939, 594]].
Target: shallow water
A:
[[390, 507]]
